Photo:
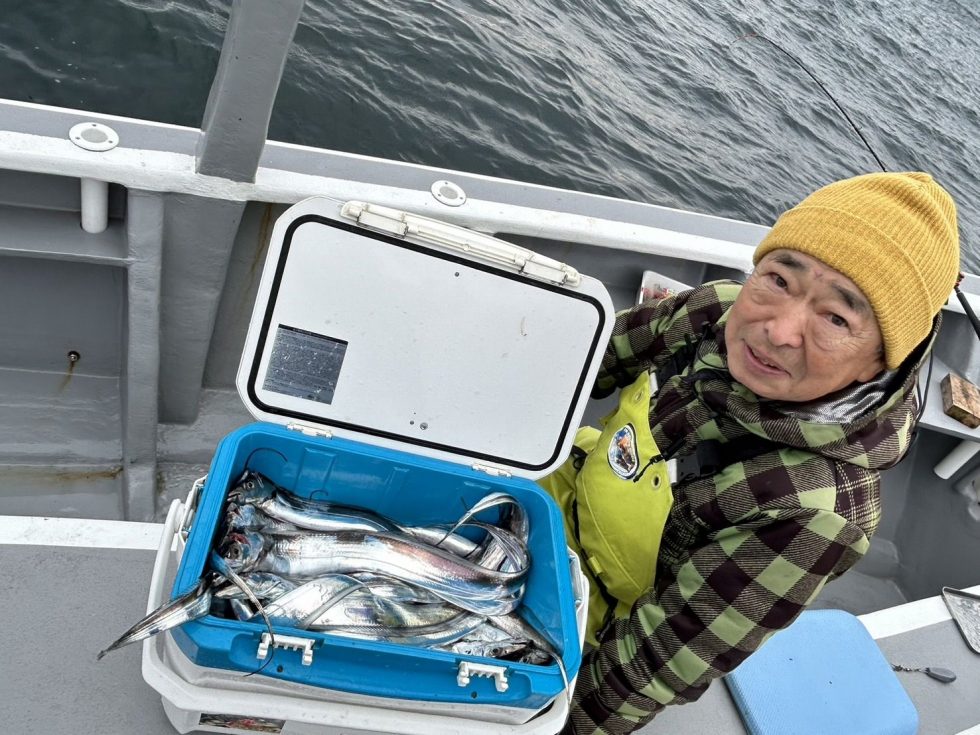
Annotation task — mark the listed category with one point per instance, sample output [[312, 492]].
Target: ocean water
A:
[[660, 101]]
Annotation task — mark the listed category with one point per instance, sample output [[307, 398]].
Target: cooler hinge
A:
[[310, 430], [492, 471], [402, 224]]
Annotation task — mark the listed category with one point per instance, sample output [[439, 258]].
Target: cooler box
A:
[[197, 698], [411, 368]]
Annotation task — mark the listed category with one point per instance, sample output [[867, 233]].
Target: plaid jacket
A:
[[744, 550]]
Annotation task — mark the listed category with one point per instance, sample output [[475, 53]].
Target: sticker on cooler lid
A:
[[305, 364], [240, 722]]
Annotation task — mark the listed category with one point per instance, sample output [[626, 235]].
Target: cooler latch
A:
[[402, 224], [468, 669], [286, 641], [310, 430]]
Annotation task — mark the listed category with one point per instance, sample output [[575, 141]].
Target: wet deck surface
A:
[[61, 605]]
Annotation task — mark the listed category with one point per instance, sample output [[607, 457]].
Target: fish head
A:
[[242, 550], [251, 488], [233, 516], [241, 518]]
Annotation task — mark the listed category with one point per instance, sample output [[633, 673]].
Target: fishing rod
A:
[[968, 310]]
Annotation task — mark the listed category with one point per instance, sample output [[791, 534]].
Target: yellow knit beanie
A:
[[894, 235]]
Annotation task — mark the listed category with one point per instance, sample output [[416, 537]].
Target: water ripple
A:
[[652, 100]]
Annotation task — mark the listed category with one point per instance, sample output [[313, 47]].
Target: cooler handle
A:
[[162, 560], [190, 507], [460, 239]]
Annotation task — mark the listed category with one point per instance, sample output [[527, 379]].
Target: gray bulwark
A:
[[236, 118], [141, 376], [199, 234]]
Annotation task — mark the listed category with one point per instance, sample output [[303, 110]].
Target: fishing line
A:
[[221, 566], [263, 449], [970, 315], [922, 397], [820, 84]]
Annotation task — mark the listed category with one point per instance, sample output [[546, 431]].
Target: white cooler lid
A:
[[412, 344]]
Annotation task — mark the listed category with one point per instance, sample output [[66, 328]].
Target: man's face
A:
[[800, 330]]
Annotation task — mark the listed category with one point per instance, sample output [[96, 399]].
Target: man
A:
[[784, 398]]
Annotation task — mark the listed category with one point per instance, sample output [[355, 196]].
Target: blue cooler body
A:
[[411, 368]]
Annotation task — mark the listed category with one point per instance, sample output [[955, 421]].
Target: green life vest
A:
[[615, 505]]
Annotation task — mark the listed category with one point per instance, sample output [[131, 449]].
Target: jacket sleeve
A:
[[645, 336], [730, 595]]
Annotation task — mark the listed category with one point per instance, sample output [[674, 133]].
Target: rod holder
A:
[[95, 205], [98, 138], [957, 457]]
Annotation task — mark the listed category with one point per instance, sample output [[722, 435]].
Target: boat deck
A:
[[94, 586]]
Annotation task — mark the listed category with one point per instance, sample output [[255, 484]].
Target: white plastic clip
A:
[[468, 669], [289, 642], [310, 430], [492, 471]]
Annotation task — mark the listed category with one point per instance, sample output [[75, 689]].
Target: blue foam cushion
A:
[[824, 675]]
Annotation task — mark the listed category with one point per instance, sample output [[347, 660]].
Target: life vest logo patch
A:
[[622, 452]]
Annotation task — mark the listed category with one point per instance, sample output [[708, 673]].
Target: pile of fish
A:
[[292, 562]]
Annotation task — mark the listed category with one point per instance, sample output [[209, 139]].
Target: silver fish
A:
[[321, 517], [366, 612], [239, 552], [507, 636], [301, 606], [493, 555], [460, 581], [377, 585], [441, 538], [250, 488], [249, 517], [488, 642], [363, 575], [189, 606], [425, 636], [264, 586], [512, 549], [327, 517], [516, 626], [241, 609]]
